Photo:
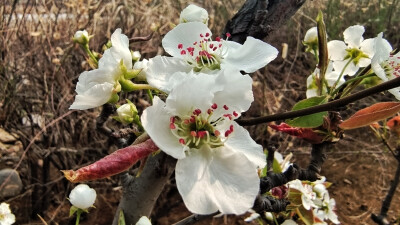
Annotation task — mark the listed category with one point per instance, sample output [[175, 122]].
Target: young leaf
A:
[[112, 164], [371, 114], [305, 133], [121, 219], [309, 121]]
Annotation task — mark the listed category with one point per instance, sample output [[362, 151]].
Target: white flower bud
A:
[[126, 113], [82, 196], [320, 189], [81, 37], [193, 13], [269, 216], [143, 221], [311, 35], [136, 56]]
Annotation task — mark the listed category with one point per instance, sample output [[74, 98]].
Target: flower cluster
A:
[[6, 216], [312, 199]]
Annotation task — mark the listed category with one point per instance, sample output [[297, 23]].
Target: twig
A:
[[194, 218], [381, 218], [330, 106]]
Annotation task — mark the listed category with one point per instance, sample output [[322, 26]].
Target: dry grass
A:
[[39, 67]]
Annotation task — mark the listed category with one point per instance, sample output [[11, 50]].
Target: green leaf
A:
[[121, 219], [312, 120]]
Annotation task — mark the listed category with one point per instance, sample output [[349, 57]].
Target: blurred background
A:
[[40, 66]]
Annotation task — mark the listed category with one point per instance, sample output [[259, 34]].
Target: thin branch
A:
[[330, 106], [381, 218]]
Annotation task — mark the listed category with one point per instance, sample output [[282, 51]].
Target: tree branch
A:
[[259, 18], [330, 106]]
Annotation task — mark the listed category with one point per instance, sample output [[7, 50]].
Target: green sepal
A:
[[121, 218], [323, 51], [73, 210], [130, 74], [114, 98]]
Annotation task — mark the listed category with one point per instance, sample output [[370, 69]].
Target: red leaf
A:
[[394, 125], [307, 134], [112, 164], [371, 114]]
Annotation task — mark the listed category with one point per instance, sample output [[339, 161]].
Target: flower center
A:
[[204, 54], [201, 128], [394, 64]]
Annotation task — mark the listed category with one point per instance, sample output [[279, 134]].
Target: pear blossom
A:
[[193, 13], [6, 216], [331, 76], [127, 113], [307, 194], [192, 48], [97, 87], [354, 48], [82, 196], [81, 37], [385, 65], [217, 159], [326, 209], [143, 221]]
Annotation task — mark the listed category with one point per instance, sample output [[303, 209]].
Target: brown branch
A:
[[330, 106]]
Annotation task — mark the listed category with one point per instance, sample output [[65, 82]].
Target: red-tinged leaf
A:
[[307, 134], [371, 114], [394, 125], [112, 164]]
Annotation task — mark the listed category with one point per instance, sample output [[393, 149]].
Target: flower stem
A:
[[78, 216], [341, 73], [150, 96], [90, 53]]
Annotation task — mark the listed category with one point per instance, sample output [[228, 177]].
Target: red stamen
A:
[[183, 52], [235, 113], [180, 46], [201, 133], [227, 133], [193, 133], [192, 119], [211, 45], [201, 35], [197, 112], [209, 111], [214, 106], [182, 141], [207, 34], [217, 133], [228, 35], [172, 126], [218, 39], [226, 107], [231, 128], [172, 119]]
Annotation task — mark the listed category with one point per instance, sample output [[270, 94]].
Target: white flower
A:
[[81, 37], [353, 48], [141, 65], [6, 216], [311, 40], [385, 65], [331, 76], [191, 48], [82, 196], [96, 87], [307, 194], [143, 221], [217, 159], [193, 13], [327, 209]]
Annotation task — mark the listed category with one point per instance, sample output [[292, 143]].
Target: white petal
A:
[[368, 47], [94, 89], [155, 120], [120, 48], [195, 92], [353, 35], [185, 34], [332, 77], [251, 56], [107, 61], [289, 222], [241, 142], [160, 69], [382, 49], [217, 179], [237, 93], [350, 70], [143, 221], [336, 50]]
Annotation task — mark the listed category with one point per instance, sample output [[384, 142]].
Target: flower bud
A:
[[193, 13], [82, 196], [320, 189], [81, 37], [126, 113], [136, 56], [143, 221], [311, 40]]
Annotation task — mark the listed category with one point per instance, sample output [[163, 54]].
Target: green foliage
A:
[[309, 121]]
